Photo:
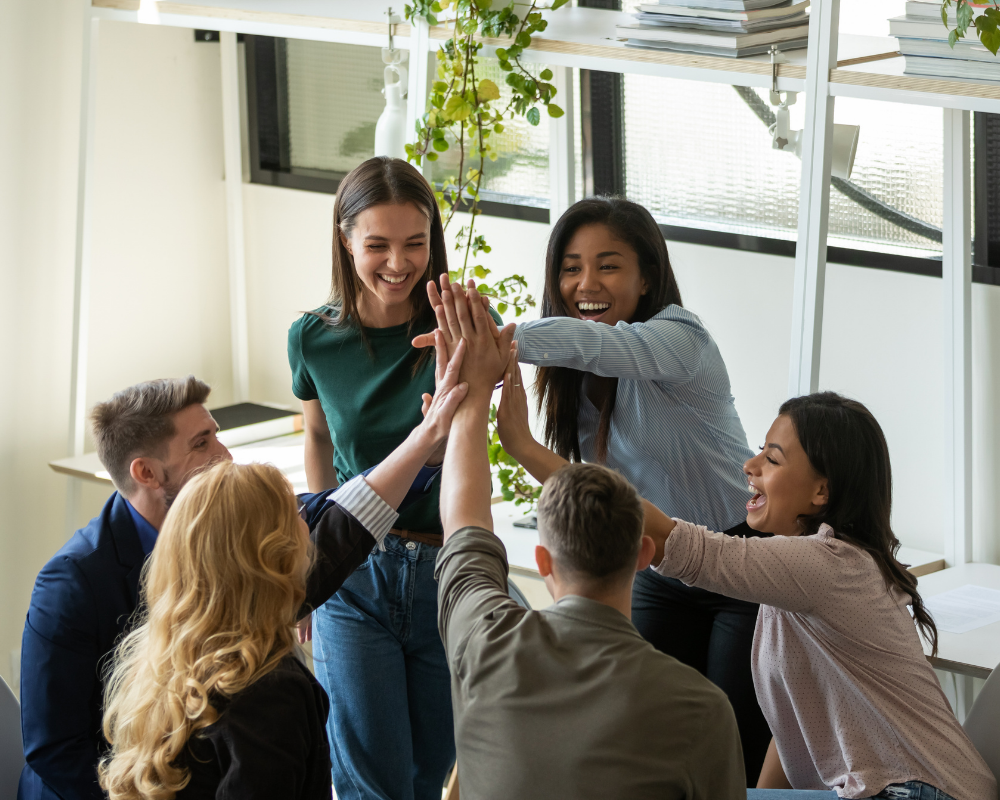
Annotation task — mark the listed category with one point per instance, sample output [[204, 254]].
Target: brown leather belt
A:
[[433, 539]]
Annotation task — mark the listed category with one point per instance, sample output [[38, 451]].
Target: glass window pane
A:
[[334, 100], [521, 172], [697, 156]]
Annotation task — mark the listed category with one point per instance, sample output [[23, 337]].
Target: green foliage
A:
[[987, 25], [462, 112]]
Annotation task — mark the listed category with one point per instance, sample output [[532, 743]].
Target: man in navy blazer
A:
[[151, 438]]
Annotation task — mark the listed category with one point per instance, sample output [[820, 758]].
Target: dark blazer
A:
[[80, 606]]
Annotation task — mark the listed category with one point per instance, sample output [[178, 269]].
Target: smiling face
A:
[[390, 246], [783, 483], [599, 277], [193, 446]]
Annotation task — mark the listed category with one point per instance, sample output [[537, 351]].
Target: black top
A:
[[270, 739], [269, 742]]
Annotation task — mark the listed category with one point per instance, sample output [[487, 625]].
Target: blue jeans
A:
[[911, 790], [377, 652]]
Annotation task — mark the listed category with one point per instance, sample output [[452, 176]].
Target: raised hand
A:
[[427, 339], [487, 356], [448, 393], [512, 415]]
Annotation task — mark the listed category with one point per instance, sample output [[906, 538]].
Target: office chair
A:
[[982, 725], [11, 747]]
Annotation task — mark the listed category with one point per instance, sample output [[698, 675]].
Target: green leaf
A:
[[523, 40], [498, 128], [488, 90], [440, 86], [953, 38], [533, 116], [501, 308], [963, 13], [501, 53], [480, 272], [546, 75], [558, 4], [440, 145], [554, 111], [508, 494], [430, 157]]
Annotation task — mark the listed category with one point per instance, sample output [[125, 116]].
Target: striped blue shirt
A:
[[675, 433]]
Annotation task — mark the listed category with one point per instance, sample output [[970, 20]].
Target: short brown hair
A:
[[138, 421], [591, 520]]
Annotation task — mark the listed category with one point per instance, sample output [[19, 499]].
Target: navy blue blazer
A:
[[82, 601]]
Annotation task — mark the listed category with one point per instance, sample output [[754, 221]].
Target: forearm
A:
[[320, 472], [536, 458], [392, 478], [465, 480]]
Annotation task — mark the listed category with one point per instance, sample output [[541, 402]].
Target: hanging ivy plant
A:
[[465, 113], [986, 25]]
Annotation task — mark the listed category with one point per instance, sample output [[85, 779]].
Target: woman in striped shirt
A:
[[631, 379]]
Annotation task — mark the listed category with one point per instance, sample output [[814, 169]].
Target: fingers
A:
[[451, 324], [423, 340], [466, 325], [506, 337], [425, 406], [450, 376], [440, 358], [432, 294]]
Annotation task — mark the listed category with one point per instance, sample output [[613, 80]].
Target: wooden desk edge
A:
[[77, 473]]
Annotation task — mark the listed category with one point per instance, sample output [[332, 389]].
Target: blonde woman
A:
[[207, 698]]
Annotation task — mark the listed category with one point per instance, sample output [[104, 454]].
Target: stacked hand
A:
[[462, 318]]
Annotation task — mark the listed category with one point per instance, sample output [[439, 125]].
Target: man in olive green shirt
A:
[[570, 701]]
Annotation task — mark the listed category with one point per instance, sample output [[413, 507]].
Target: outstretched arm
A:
[[465, 482], [345, 524], [540, 462]]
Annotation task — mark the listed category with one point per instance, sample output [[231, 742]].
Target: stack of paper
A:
[[720, 27], [923, 40]]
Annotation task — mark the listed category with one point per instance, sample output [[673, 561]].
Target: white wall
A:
[[159, 287], [159, 295]]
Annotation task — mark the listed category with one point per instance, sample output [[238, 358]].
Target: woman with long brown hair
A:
[[376, 646], [207, 698]]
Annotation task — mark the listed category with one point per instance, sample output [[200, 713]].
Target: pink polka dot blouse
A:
[[837, 663]]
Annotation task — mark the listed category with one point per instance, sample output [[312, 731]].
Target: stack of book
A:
[[923, 40], [719, 27]]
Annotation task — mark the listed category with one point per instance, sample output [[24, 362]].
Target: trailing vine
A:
[[986, 25], [465, 112]]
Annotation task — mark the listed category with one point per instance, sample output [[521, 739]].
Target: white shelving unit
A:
[[832, 66]]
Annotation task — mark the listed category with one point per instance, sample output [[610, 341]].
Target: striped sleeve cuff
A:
[[358, 499]]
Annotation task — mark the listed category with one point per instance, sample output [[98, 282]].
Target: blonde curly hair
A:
[[221, 590]]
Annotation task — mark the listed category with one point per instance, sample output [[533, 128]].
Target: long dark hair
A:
[[559, 387], [845, 445], [380, 181]]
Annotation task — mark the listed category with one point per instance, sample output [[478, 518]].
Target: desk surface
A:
[[977, 652], [285, 452]]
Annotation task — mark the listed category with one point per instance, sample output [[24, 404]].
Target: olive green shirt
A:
[[571, 701]]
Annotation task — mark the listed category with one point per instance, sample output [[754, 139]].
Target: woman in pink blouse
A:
[[838, 665]]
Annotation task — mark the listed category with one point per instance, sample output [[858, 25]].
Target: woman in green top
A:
[[376, 646]]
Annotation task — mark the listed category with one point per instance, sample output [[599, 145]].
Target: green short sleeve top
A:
[[371, 398]]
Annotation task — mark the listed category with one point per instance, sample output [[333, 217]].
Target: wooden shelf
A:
[[583, 37]]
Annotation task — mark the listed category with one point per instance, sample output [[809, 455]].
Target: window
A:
[[698, 155]]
